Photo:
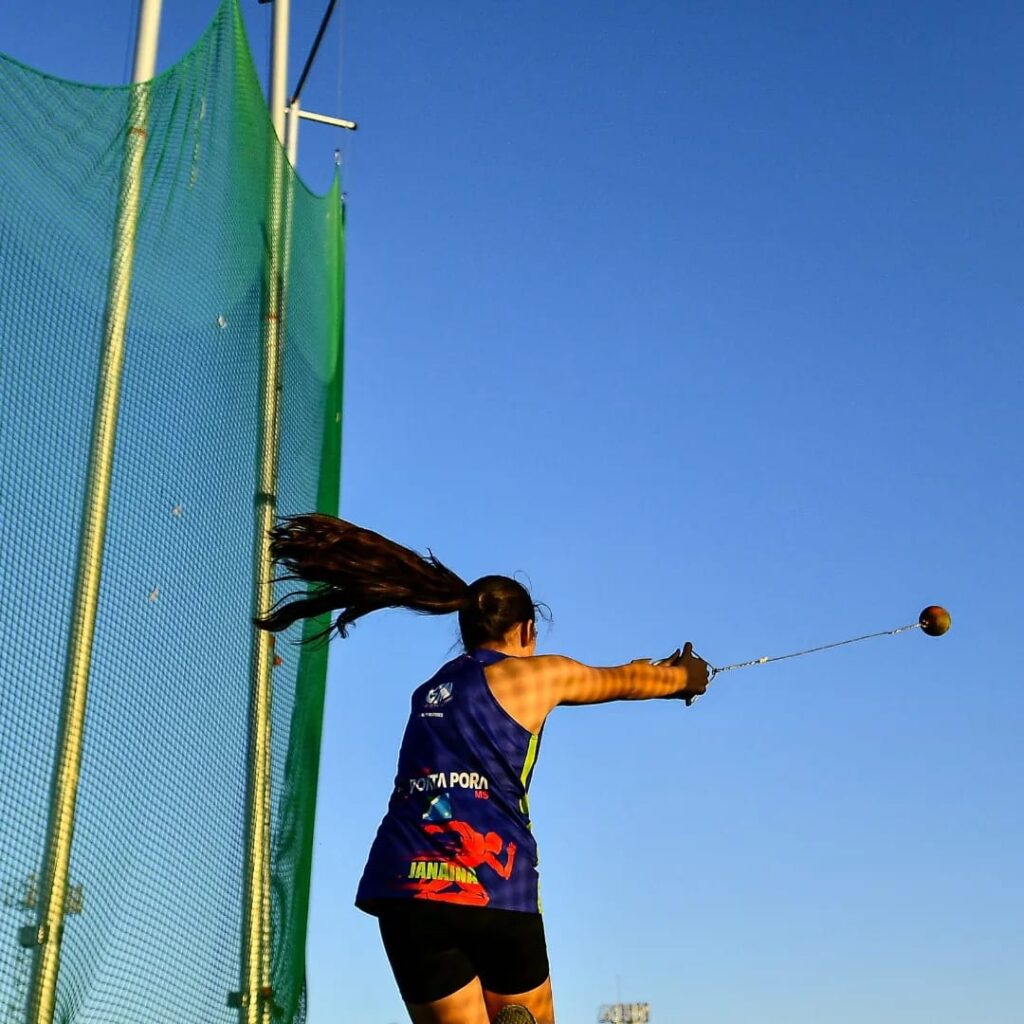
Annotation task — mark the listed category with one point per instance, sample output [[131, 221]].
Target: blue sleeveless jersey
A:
[[457, 828]]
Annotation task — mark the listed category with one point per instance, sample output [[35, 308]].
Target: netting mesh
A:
[[153, 926]]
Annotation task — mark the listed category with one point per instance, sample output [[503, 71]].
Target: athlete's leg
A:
[[538, 1001], [436, 977], [466, 1006]]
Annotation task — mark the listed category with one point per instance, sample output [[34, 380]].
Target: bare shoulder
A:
[[537, 670], [529, 688]]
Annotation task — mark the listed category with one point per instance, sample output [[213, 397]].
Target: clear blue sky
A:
[[707, 317]]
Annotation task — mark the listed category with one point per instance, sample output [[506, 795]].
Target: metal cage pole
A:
[[294, 109], [47, 934], [293, 133], [256, 999]]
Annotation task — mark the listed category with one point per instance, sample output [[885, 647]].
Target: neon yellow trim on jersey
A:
[[531, 758], [524, 804]]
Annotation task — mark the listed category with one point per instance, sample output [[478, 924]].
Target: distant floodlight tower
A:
[[625, 1013]]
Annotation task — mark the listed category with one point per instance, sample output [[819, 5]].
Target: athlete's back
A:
[[457, 828]]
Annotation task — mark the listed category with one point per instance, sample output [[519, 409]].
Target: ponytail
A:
[[357, 571]]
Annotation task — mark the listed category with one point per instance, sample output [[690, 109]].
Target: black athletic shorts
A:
[[435, 948]]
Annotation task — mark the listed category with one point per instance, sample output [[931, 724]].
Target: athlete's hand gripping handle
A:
[[698, 672]]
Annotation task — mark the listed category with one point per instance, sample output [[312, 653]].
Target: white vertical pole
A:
[[279, 67], [53, 890], [146, 43]]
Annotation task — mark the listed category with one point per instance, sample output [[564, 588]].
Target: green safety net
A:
[[154, 919]]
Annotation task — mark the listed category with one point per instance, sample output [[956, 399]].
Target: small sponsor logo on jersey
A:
[[440, 694]]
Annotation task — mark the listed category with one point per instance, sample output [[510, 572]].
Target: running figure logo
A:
[[454, 879]]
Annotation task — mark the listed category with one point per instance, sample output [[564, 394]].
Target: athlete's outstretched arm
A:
[[529, 688], [576, 683]]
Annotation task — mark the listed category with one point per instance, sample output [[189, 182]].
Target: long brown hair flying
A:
[[356, 571]]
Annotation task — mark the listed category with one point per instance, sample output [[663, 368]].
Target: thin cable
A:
[[312, 53], [343, 154], [812, 650]]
